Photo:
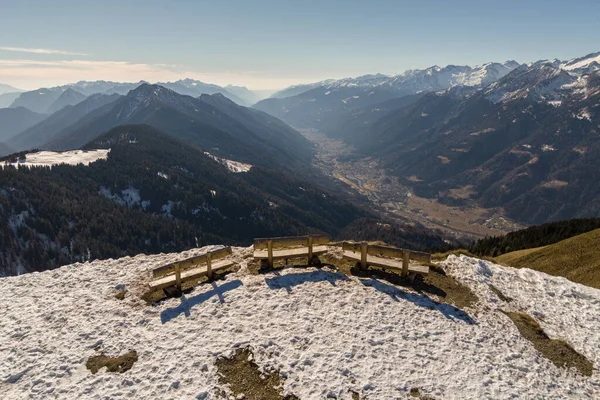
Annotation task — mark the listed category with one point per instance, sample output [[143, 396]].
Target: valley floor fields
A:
[[327, 334], [366, 176]]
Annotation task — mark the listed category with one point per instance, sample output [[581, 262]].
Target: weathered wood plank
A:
[[289, 253], [260, 244], [387, 251], [189, 262], [352, 246], [189, 274], [386, 263], [420, 256]]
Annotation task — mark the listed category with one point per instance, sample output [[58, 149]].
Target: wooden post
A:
[[310, 249], [270, 253], [363, 256], [209, 266], [405, 261], [178, 276]]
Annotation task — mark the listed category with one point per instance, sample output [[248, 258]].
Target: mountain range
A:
[[212, 122], [325, 104], [527, 142], [16, 120], [50, 100]]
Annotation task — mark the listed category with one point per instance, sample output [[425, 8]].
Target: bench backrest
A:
[[290, 241], [190, 262], [388, 251]]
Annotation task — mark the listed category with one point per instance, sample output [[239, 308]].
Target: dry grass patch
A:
[[243, 377], [508, 258], [558, 351], [576, 258], [113, 364], [416, 393], [500, 295], [121, 294]]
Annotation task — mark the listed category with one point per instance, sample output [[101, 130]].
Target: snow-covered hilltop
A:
[[329, 334]]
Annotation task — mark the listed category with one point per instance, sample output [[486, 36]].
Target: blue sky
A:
[[266, 44]]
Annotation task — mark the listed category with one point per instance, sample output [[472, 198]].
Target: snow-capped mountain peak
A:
[[583, 65]]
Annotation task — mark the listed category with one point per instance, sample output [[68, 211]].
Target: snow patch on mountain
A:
[[232, 166], [586, 64], [129, 197], [51, 158]]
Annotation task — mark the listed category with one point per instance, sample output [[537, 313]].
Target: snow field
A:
[[50, 158], [325, 332]]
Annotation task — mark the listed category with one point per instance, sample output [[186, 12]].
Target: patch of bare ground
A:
[[243, 377], [113, 364], [437, 282], [416, 393], [500, 295], [121, 294], [558, 351]]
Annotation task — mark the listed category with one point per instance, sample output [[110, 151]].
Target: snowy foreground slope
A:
[[327, 333]]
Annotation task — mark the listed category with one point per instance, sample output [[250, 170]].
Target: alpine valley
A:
[[425, 159]]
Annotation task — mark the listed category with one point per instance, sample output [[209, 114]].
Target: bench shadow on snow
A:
[[187, 304], [288, 281], [419, 299]]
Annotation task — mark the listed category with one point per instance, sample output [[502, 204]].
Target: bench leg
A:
[[264, 265], [315, 260], [411, 277]]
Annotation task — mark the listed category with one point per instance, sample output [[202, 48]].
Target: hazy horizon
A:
[[269, 45]]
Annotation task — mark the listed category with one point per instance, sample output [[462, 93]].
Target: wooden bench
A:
[[269, 249], [175, 273], [366, 255]]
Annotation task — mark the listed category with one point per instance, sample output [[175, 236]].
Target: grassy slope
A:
[[576, 258]]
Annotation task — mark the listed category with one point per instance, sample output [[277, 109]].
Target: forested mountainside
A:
[[528, 143], [15, 120], [533, 236], [152, 194], [52, 126], [5, 150], [212, 122], [69, 97]]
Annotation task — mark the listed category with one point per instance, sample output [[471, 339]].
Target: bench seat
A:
[[190, 274], [386, 263], [289, 253]]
